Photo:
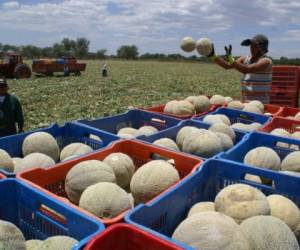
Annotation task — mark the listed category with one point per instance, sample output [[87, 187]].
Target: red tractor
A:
[[13, 66]]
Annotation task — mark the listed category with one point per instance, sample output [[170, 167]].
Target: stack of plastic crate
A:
[[285, 86]]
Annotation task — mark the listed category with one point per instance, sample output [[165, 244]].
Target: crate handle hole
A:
[[53, 214]]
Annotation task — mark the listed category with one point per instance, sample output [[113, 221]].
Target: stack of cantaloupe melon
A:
[[241, 217], [195, 104], [201, 142], [40, 149], [11, 238], [100, 187]]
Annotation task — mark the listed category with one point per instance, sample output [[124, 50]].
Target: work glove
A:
[[230, 59], [212, 54]]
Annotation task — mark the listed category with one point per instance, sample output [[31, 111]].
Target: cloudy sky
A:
[[155, 25]]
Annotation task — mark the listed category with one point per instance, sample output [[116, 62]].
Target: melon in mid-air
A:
[[204, 46], [188, 44]]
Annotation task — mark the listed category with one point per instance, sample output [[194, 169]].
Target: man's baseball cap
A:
[[260, 40], [3, 83]]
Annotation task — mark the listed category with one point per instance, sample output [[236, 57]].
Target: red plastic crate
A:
[[273, 109], [52, 180], [288, 111], [284, 98], [127, 237], [290, 125], [285, 78]]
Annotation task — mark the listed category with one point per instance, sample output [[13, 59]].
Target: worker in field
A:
[[256, 68], [104, 70], [11, 113], [66, 68]]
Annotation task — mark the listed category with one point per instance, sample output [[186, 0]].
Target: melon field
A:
[[46, 100]]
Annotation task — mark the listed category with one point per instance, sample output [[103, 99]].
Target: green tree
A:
[[101, 54], [128, 52], [82, 47]]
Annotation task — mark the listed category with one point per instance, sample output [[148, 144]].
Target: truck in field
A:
[[48, 67]]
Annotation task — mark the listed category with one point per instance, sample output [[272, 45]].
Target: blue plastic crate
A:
[[64, 135], [236, 116], [171, 133], [134, 118], [257, 139], [164, 214], [39, 216]]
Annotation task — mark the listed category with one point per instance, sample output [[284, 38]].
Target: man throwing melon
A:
[[256, 67]]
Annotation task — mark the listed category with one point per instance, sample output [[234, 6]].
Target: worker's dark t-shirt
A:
[[10, 114]]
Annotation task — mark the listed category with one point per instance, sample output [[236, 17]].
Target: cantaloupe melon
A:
[[105, 200], [123, 167], [268, 232], [241, 126], [225, 140], [291, 162], [201, 103], [6, 162], [58, 242], [240, 202], [217, 100], [223, 128], [258, 104], [146, 131], [204, 144], [41, 142], [201, 207], [11, 237], [183, 133], [75, 149], [217, 119], [204, 46], [33, 244], [188, 44], [210, 231], [235, 105], [127, 132], [151, 179], [166, 143], [263, 157], [283, 133], [34, 160], [284, 209], [252, 109], [85, 174], [182, 107], [253, 178], [228, 99]]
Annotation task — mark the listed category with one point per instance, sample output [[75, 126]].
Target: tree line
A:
[[79, 48]]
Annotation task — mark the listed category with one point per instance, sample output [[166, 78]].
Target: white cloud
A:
[[154, 25], [10, 5]]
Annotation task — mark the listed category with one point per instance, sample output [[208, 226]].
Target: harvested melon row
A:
[[99, 186], [241, 217], [11, 238]]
